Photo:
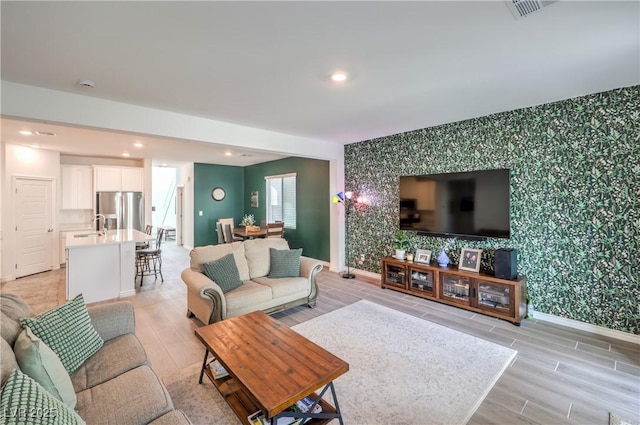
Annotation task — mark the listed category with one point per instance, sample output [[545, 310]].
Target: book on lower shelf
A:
[[301, 406], [217, 370]]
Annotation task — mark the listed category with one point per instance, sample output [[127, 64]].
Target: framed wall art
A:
[[470, 259], [422, 256]]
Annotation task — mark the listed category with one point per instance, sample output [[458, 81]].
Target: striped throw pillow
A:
[[285, 262], [68, 331], [224, 272]]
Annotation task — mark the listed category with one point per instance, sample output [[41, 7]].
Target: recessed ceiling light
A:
[[138, 145], [26, 132], [227, 153], [338, 76], [126, 154], [163, 165], [35, 146]]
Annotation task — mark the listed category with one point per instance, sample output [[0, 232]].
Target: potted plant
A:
[[247, 222], [401, 243]]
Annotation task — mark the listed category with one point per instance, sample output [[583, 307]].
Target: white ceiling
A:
[[266, 65], [163, 151]]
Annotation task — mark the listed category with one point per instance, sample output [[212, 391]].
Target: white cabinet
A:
[[77, 187], [116, 179], [108, 179], [94, 272], [63, 248], [133, 179]]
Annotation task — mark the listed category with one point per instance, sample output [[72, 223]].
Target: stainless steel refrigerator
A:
[[122, 210]]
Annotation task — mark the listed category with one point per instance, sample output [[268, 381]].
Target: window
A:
[[281, 199]]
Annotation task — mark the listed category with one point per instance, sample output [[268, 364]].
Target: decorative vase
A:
[[443, 259], [409, 256]]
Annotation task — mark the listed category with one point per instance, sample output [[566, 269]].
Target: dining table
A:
[[242, 232]]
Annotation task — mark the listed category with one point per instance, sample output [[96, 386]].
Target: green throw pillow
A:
[[224, 272], [43, 365], [24, 401], [285, 262], [68, 331]]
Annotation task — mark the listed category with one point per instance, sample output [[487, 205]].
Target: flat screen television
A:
[[474, 204]]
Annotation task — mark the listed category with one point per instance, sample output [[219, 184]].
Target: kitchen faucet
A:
[[104, 222]]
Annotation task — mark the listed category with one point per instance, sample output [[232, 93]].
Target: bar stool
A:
[[147, 257], [142, 245]]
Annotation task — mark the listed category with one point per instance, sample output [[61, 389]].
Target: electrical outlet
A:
[[361, 258]]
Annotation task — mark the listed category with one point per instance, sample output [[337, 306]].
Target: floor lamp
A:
[[347, 200]]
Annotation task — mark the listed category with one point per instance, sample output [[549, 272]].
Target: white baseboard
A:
[[370, 275], [9, 278], [363, 273], [570, 323], [127, 293], [588, 327]]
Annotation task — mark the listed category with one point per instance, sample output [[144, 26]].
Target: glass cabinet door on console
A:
[[421, 281], [395, 275], [479, 292], [496, 297], [455, 288]]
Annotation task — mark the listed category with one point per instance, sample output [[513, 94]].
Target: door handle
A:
[[49, 230]]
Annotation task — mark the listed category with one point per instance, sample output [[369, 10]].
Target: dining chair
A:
[[228, 234], [275, 230], [220, 232], [229, 221], [148, 257]]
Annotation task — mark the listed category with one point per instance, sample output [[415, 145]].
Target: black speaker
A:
[[506, 266]]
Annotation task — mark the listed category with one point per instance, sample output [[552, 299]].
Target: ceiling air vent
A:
[[522, 8]]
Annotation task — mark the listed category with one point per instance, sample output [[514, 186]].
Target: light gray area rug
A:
[[201, 403], [402, 370]]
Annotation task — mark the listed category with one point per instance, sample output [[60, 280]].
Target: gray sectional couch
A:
[[207, 301], [114, 386]]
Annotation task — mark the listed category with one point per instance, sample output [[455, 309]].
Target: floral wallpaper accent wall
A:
[[575, 186]]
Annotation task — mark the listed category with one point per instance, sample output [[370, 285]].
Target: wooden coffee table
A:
[[270, 368]]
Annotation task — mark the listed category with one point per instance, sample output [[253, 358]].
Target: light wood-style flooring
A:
[[560, 375]]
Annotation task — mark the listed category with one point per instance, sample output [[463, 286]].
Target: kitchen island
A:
[[102, 267]]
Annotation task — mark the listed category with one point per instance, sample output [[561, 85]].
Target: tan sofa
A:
[[208, 303], [114, 386]]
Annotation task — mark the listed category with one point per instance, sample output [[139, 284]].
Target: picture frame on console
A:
[[470, 259], [422, 256]]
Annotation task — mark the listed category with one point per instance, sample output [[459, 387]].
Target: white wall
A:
[[22, 161], [185, 179]]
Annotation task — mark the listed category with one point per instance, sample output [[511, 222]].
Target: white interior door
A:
[[34, 228]]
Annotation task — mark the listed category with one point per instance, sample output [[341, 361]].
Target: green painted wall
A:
[[313, 201], [205, 178], [574, 198]]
